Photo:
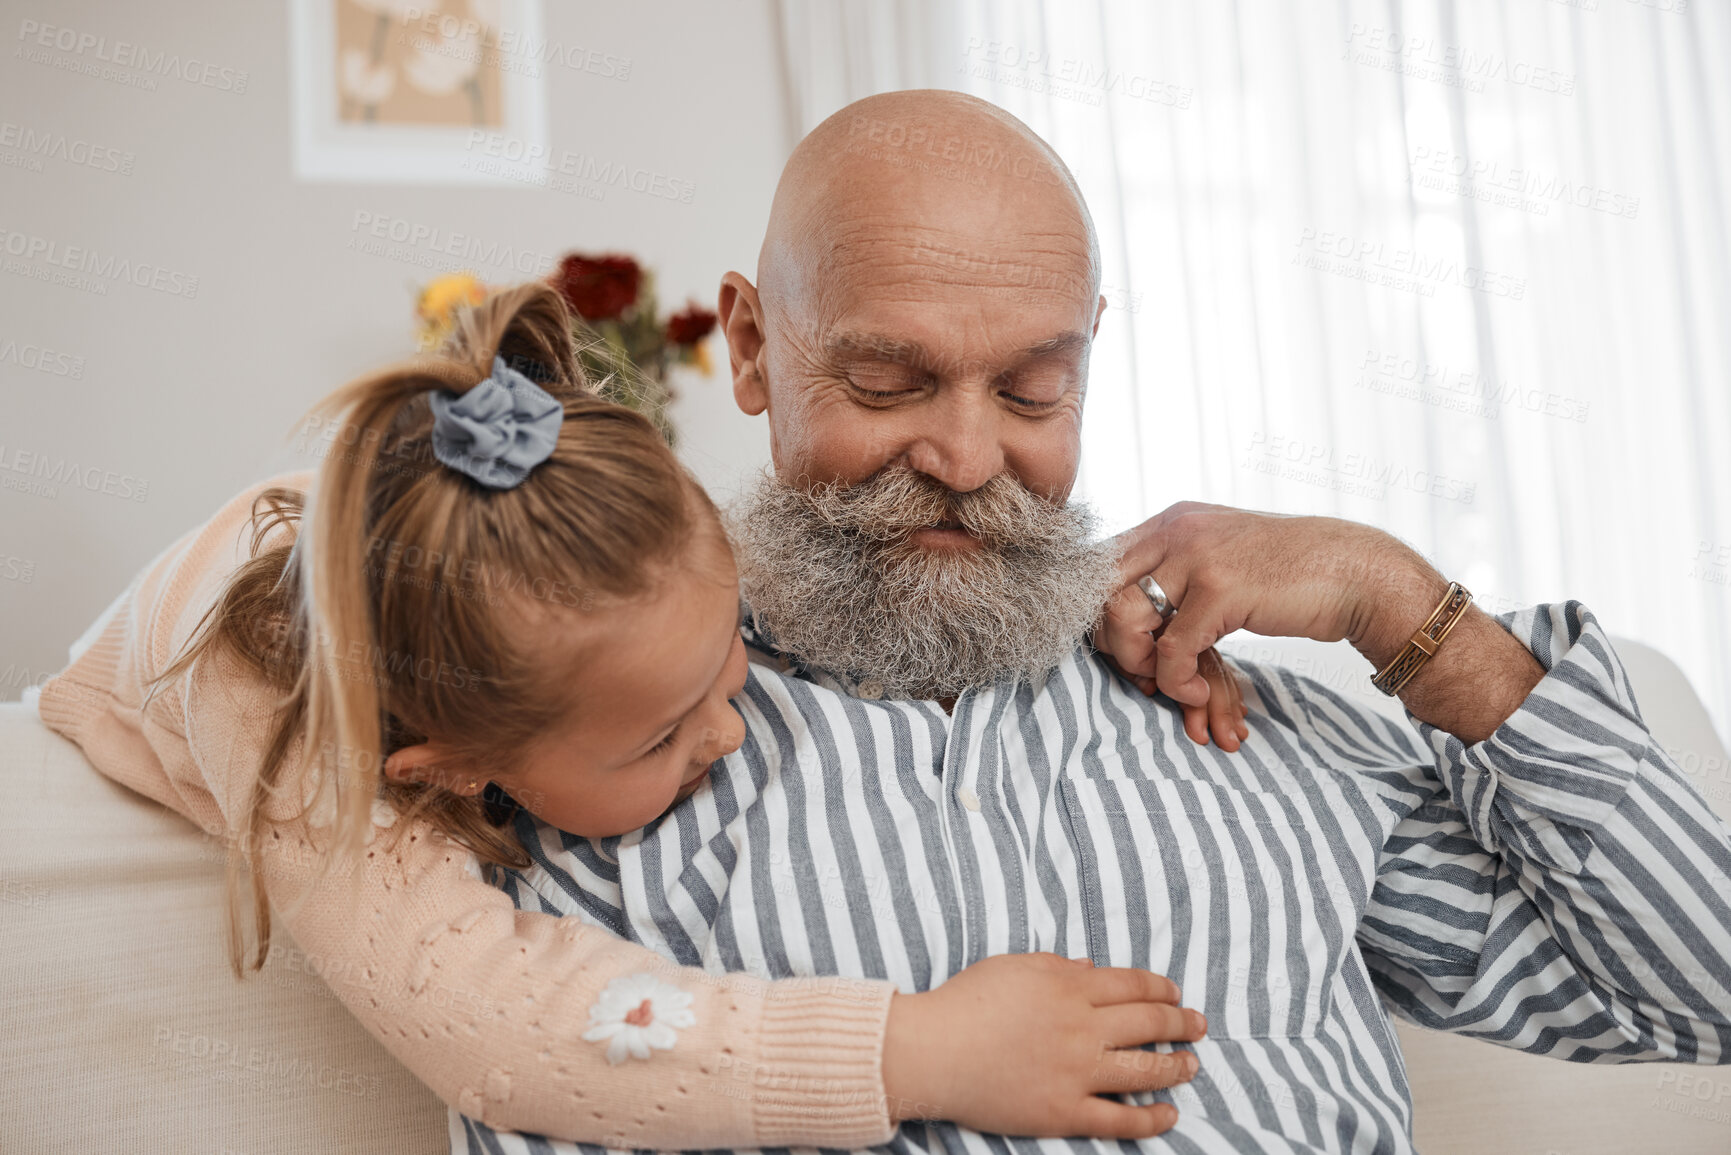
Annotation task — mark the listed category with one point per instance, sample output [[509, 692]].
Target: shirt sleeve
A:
[[1564, 890]]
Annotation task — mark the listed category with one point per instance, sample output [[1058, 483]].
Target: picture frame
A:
[[397, 92]]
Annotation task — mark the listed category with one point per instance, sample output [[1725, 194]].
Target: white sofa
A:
[[121, 1027]]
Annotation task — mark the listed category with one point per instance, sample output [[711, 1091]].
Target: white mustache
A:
[[898, 501]]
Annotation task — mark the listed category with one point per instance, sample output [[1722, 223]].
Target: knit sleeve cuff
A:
[[82, 696], [819, 1072]]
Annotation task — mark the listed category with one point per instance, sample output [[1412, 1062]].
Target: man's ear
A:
[[432, 765], [741, 316], [1099, 311]]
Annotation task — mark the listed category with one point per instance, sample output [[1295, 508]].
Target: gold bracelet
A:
[[1425, 641]]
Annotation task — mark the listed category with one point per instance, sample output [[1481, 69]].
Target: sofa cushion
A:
[[121, 1025]]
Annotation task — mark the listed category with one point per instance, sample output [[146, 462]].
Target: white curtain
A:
[[1458, 269]]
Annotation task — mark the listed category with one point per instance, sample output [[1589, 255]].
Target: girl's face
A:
[[649, 705], [649, 709]]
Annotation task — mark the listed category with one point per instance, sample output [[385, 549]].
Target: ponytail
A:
[[380, 614]]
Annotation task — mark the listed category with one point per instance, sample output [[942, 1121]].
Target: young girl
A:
[[511, 591]]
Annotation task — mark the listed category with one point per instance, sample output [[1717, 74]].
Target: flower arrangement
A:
[[623, 342]]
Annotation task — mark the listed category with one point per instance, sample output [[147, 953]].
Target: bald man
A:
[[943, 763]]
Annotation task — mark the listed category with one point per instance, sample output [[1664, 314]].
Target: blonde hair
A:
[[380, 615]]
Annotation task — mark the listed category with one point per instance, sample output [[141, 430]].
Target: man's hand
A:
[[1229, 569], [1306, 577]]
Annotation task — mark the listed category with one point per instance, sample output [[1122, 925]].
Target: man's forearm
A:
[[1479, 675]]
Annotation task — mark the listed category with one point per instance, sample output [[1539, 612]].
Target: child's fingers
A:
[[1219, 714], [1109, 986], [1221, 717], [1226, 734], [1196, 723], [1126, 1070], [1106, 1119], [1229, 726], [1133, 1024], [1223, 720]]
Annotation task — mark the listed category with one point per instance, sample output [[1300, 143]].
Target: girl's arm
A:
[[490, 1006]]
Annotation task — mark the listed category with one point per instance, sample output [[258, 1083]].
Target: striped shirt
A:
[[1559, 887]]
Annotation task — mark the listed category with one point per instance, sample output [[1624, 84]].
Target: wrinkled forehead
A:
[[985, 266]]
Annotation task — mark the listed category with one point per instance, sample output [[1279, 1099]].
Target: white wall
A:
[[198, 396]]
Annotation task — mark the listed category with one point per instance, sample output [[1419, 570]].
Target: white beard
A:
[[832, 575]]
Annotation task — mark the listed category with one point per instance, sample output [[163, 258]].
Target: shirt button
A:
[[968, 799], [871, 688]]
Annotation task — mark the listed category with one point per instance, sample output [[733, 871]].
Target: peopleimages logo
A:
[[89, 262], [286, 1069], [1068, 76], [510, 42], [1482, 179], [918, 148], [87, 46], [1377, 262], [1354, 474], [59, 146], [534, 163], [430, 246], [43, 360], [1712, 563], [1454, 62], [1472, 390], [40, 475]]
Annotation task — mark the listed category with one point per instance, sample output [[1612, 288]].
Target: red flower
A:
[[598, 288], [690, 325]]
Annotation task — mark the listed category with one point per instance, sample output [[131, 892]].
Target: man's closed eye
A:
[[886, 386]]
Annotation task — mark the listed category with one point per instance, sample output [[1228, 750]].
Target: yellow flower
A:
[[436, 308]]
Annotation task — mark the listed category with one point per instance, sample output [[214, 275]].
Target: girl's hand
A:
[[1026, 1045], [1224, 713]]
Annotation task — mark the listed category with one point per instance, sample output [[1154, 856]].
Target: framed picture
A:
[[388, 91]]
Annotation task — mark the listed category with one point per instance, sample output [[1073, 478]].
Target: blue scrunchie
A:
[[499, 430]]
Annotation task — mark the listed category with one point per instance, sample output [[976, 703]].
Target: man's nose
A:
[[962, 448]]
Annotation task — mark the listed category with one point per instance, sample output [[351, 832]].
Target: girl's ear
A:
[[432, 765]]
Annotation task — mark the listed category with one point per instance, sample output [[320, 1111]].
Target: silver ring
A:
[[1157, 597]]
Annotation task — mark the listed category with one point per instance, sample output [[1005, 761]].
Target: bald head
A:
[[967, 187]]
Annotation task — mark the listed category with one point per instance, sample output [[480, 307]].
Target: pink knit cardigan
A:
[[764, 1064]]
